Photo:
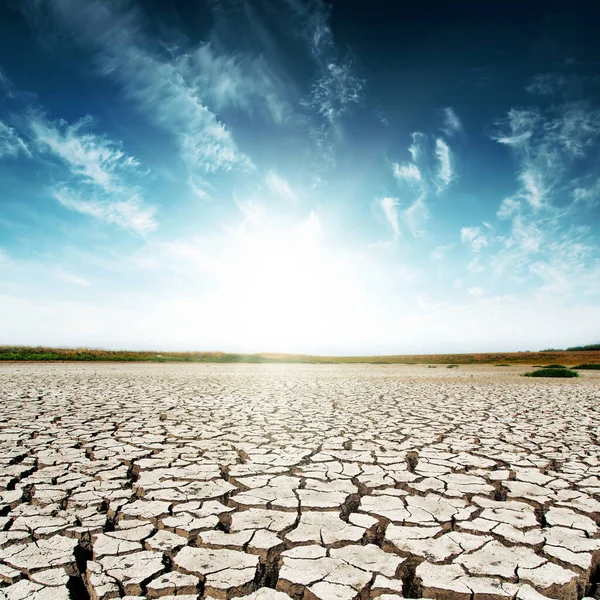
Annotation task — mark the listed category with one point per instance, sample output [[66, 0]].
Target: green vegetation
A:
[[589, 347], [502, 365], [452, 367], [552, 373], [24, 353], [588, 367], [554, 367]]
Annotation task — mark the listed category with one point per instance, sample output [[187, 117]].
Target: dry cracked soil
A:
[[269, 482]]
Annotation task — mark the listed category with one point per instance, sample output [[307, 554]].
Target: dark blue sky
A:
[[300, 175]]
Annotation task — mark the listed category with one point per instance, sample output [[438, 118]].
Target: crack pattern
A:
[[304, 482]]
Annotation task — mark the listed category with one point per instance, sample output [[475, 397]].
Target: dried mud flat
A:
[[303, 482]]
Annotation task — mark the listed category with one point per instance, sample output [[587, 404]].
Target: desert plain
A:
[[271, 482]]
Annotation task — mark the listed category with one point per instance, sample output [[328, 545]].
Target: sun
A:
[[285, 289]]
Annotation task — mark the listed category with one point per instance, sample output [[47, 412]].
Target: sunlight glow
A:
[[282, 286]]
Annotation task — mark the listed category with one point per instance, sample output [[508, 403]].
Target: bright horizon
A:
[[299, 177]]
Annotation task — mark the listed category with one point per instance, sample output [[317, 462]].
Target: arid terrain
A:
[[270, 482]]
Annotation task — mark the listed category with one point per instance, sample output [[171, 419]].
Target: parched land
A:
[[270, 482]]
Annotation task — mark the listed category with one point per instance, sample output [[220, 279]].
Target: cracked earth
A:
[[269, 482]]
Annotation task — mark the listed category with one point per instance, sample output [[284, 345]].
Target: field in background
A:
[[569, 358]]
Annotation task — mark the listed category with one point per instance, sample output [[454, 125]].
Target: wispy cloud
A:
[[130, 213], [445, 171], [452, 124], [389, 206], [239, 80], [588, 195], [533, 190], [547, 144], [11, 143], [553, 147], [429, 174], [408, 172], [160, 85], [508, 208], [525, 234], [474, 237], [415, 216], [279, 186], [476, 291], [546, 84], [475, 266], [72, 278], [94, 158], [335, 92], [98, 181]]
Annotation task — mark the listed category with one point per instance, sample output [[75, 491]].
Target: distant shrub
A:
[[554, 367], [552, 350], [584, 348], [552, 373], [432, 367], [588, 367], [452, 367], [502, 365]]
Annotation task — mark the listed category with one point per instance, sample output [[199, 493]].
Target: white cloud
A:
[[165, 89], [547, 144], [526, 235], [72, 278], [415, 216], [130, 213], [279, 186], [589, 195], [476, 292], [508, 208], [546, 84], [420, 174], [239, 81], [475, 265], [198, 187], [389, 206], [452, 123], [11, 144], [99, 171], [533, 191], [94, 158], [474, 237], [336, 91], [408, 172], [445, 172], [556, 281], [521, 124], [416, 148]]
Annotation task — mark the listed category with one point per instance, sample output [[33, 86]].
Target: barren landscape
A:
[[328, 482]]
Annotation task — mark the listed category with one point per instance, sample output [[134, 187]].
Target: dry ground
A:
[[328, 482]]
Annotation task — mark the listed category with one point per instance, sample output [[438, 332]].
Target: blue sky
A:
[[299, 176]]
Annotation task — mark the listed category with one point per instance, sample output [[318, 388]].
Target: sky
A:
[[300, 176]]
